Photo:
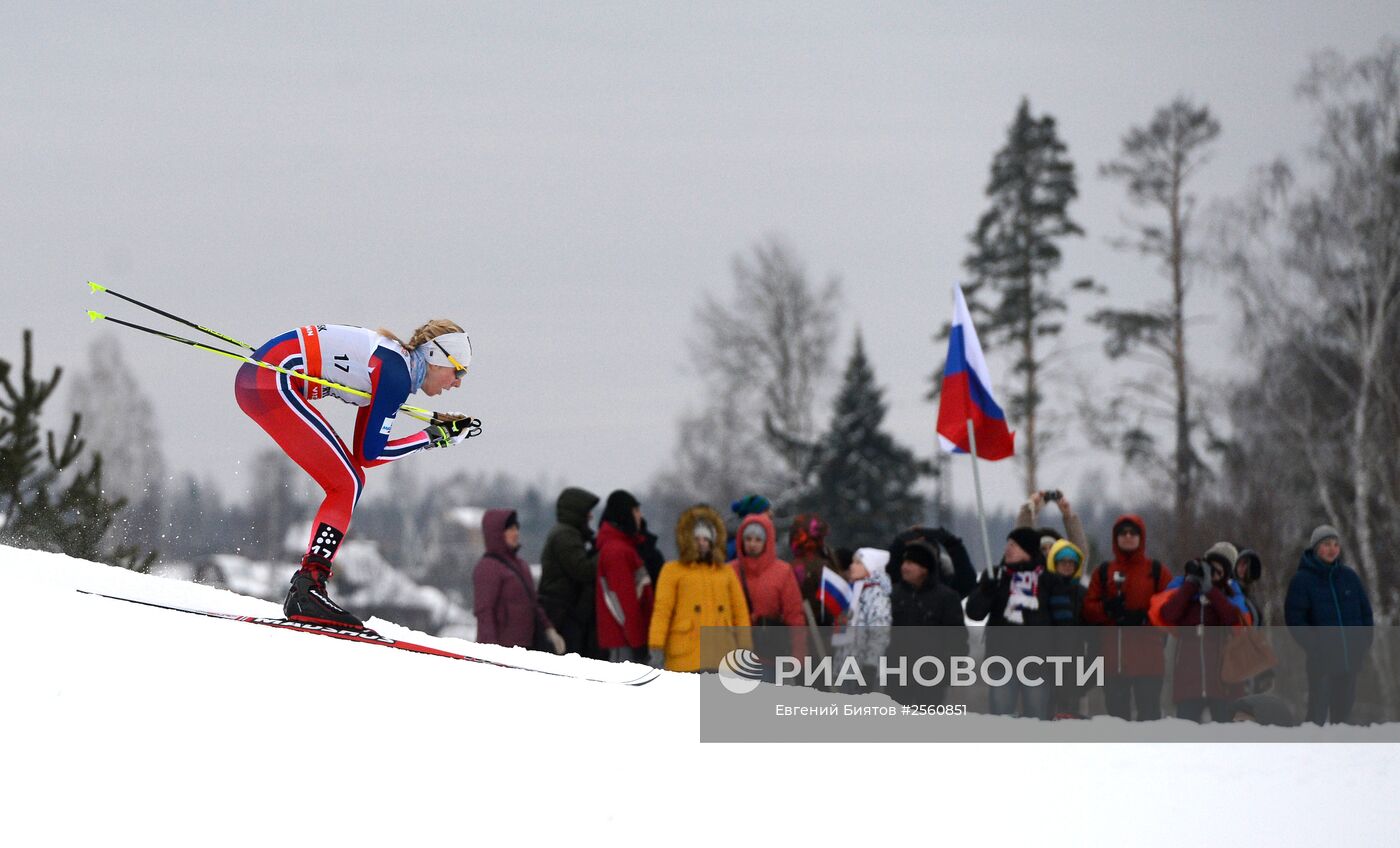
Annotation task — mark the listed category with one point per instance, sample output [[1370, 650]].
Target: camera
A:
[[1196, 568], [1050, 495]]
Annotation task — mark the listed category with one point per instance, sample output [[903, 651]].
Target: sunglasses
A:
[[458, 369], [1128, 531]]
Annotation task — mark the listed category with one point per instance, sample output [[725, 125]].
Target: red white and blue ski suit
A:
[[281, 404]]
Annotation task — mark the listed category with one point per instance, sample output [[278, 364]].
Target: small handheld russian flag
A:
[[835, 594], [967, 394]]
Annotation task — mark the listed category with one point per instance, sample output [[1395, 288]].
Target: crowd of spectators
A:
[[607, 592]]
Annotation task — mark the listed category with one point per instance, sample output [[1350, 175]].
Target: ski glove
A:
[[447, 429]]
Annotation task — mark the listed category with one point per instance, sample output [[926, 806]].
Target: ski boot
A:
[[308, 601]]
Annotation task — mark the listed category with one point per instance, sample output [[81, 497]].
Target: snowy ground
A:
[[154, 728]]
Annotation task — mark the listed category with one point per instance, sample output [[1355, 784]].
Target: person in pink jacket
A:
[[769, 585]]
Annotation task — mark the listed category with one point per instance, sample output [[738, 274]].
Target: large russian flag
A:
[[967, 393]]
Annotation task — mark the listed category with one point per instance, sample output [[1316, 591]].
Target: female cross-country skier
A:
[[433, 360]]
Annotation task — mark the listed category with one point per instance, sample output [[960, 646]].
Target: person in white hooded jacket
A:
[[868, 634]]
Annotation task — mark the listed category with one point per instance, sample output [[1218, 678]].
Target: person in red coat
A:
[[769, 584], [1201, 614], [623, 597], [1119, 595]]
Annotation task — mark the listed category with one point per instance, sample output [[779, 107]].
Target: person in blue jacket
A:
[[1329, 615]]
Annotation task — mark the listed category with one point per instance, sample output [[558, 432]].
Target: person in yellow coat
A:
[[698, 590]]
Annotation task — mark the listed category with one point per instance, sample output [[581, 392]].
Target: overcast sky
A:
[[567, 180]]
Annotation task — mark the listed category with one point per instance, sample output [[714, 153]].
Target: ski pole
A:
[[414, 411], [98, 287]]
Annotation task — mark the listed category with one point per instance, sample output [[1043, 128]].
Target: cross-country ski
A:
[[366, 636]]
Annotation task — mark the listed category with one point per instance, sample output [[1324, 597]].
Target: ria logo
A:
[[740, 671]]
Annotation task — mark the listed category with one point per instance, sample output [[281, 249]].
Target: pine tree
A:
[[73, 521], [1156, 163], [863, 481], [121, 425], [1015, 248]]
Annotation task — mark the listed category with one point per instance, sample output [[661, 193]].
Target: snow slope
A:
[[157, 728]]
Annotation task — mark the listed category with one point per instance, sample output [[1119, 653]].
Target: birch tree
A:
[[763, 356], [1317, 271]]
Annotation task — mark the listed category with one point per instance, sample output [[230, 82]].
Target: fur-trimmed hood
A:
[[685, 534]]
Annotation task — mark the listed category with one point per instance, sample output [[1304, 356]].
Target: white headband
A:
[[447, 347]]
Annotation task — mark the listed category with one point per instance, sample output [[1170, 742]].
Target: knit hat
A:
[[1065, 549], [1322, 533], [1028, 540], [1224, 555], [873, 559], [750, 505], [704, 530], [921, 554]]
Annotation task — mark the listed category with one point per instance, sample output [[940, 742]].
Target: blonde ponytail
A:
[[430, 330]]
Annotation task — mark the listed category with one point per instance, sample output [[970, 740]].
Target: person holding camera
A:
[[1119, 595], [1201, 613], [1074, 528]]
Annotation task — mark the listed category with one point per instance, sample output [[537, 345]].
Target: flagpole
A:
[[977, 483]]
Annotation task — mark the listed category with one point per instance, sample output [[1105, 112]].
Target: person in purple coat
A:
[[507, 608]]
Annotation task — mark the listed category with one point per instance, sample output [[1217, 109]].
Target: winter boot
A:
[[308, 601]]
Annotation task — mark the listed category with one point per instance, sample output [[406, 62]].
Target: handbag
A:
[[1247, 655]]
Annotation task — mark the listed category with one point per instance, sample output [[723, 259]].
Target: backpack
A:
[[1101, 575]]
